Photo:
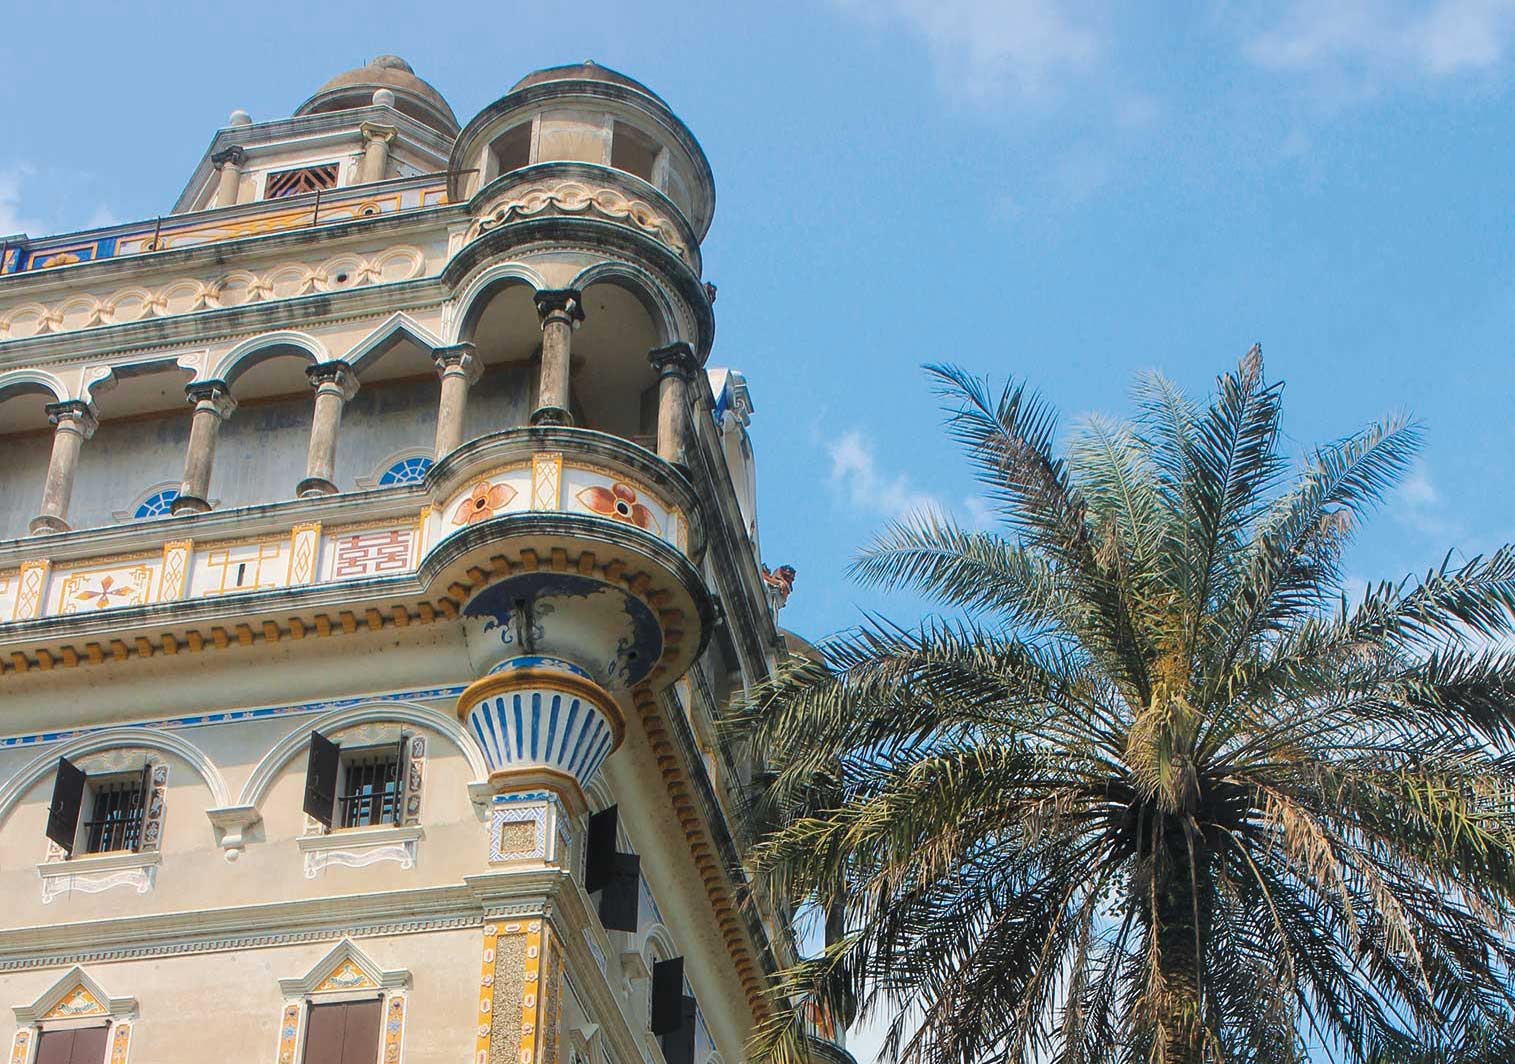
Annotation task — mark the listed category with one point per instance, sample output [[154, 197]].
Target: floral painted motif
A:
[[105, 596], [618, 502], [287, 1031], [482, 503]]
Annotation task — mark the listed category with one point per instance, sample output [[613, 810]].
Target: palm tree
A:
[[1151, 788]]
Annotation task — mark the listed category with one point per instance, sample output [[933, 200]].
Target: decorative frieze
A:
[[189, 295]]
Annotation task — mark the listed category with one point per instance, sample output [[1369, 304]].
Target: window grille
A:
[[283, 183], [158, 503], [370, 789], [115, 817], [406, 471]]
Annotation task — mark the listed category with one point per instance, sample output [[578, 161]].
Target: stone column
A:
[[228, 164], [376, 140], [561, 309], [335, 384], [676, 367], [213, 405], [75, 423], [459, 368]]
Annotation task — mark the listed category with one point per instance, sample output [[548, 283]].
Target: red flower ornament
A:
[[619, 503], [482, 503]]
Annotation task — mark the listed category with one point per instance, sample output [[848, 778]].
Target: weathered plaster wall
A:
[[23, 468], [227, 1005]]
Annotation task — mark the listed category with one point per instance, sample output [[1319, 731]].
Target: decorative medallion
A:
[[619, 503], [77, 1002], [482, 502], [346, 976]]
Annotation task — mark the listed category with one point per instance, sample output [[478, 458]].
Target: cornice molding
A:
[[240, 927]]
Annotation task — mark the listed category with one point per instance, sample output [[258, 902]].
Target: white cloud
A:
[[1358, 47], [980, 515], [11, 219], [1418, 504], [989, 49], [103, 218], [855, 472]]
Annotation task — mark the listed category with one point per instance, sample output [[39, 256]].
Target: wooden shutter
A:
[[402, 771], [83, 1045], [344, 1033], [599, 850], [321, 778], [360, 1042], [63, 812], [619, 902], [678, 1046], [667, 995]]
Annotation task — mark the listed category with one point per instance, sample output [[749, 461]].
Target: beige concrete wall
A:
[[227, 1005], [194, 873]]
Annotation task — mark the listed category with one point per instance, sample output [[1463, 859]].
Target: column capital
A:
[[215, 395], [375, 131], [460, 356], [566, 301], [676, 359], [234, 155], [338, 374], [77, 414]]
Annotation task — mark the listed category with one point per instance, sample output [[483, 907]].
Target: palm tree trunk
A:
[[1179, 1012]]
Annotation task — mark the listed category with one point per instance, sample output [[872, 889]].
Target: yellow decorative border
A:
[[486, 995], [304, 548], [394, 1028], [289, 1030], [547, 481], [29, 592], [120, 1043], [21, 1047], [531, 995], [175, 576]]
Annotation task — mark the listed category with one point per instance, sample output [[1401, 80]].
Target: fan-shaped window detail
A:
[[406, 471], [158, 503]]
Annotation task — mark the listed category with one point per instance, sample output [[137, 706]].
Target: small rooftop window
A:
[[281, 183], [633, 151], [158, 503], [406, 471], [513, 148]]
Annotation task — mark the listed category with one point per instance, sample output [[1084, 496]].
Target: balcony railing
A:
[[350, 203], [344, 537]]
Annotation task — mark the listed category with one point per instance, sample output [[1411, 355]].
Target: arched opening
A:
[[260, 456], [503, 326], [139, 443], [614, 388], [26, 440], [394, 410]]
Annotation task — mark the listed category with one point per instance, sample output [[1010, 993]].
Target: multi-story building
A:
[[362, 708]]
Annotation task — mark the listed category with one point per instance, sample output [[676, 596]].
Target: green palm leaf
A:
[[1157, 793]]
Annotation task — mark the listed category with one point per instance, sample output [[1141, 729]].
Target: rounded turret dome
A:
[[355, 88], [588, 70]]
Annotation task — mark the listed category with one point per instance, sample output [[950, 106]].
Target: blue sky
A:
[[1068, 192]]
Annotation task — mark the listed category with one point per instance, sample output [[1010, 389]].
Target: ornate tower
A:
[[361, 708]]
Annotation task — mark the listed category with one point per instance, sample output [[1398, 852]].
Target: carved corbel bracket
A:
[[231, 824]]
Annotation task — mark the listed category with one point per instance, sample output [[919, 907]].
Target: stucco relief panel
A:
[[576, 197], [186, 295]]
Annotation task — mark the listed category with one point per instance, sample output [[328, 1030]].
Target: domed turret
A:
[[356, 88], [588, 70]]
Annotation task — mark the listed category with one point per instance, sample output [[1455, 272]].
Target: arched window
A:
[[158, 503], [405, 471]]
